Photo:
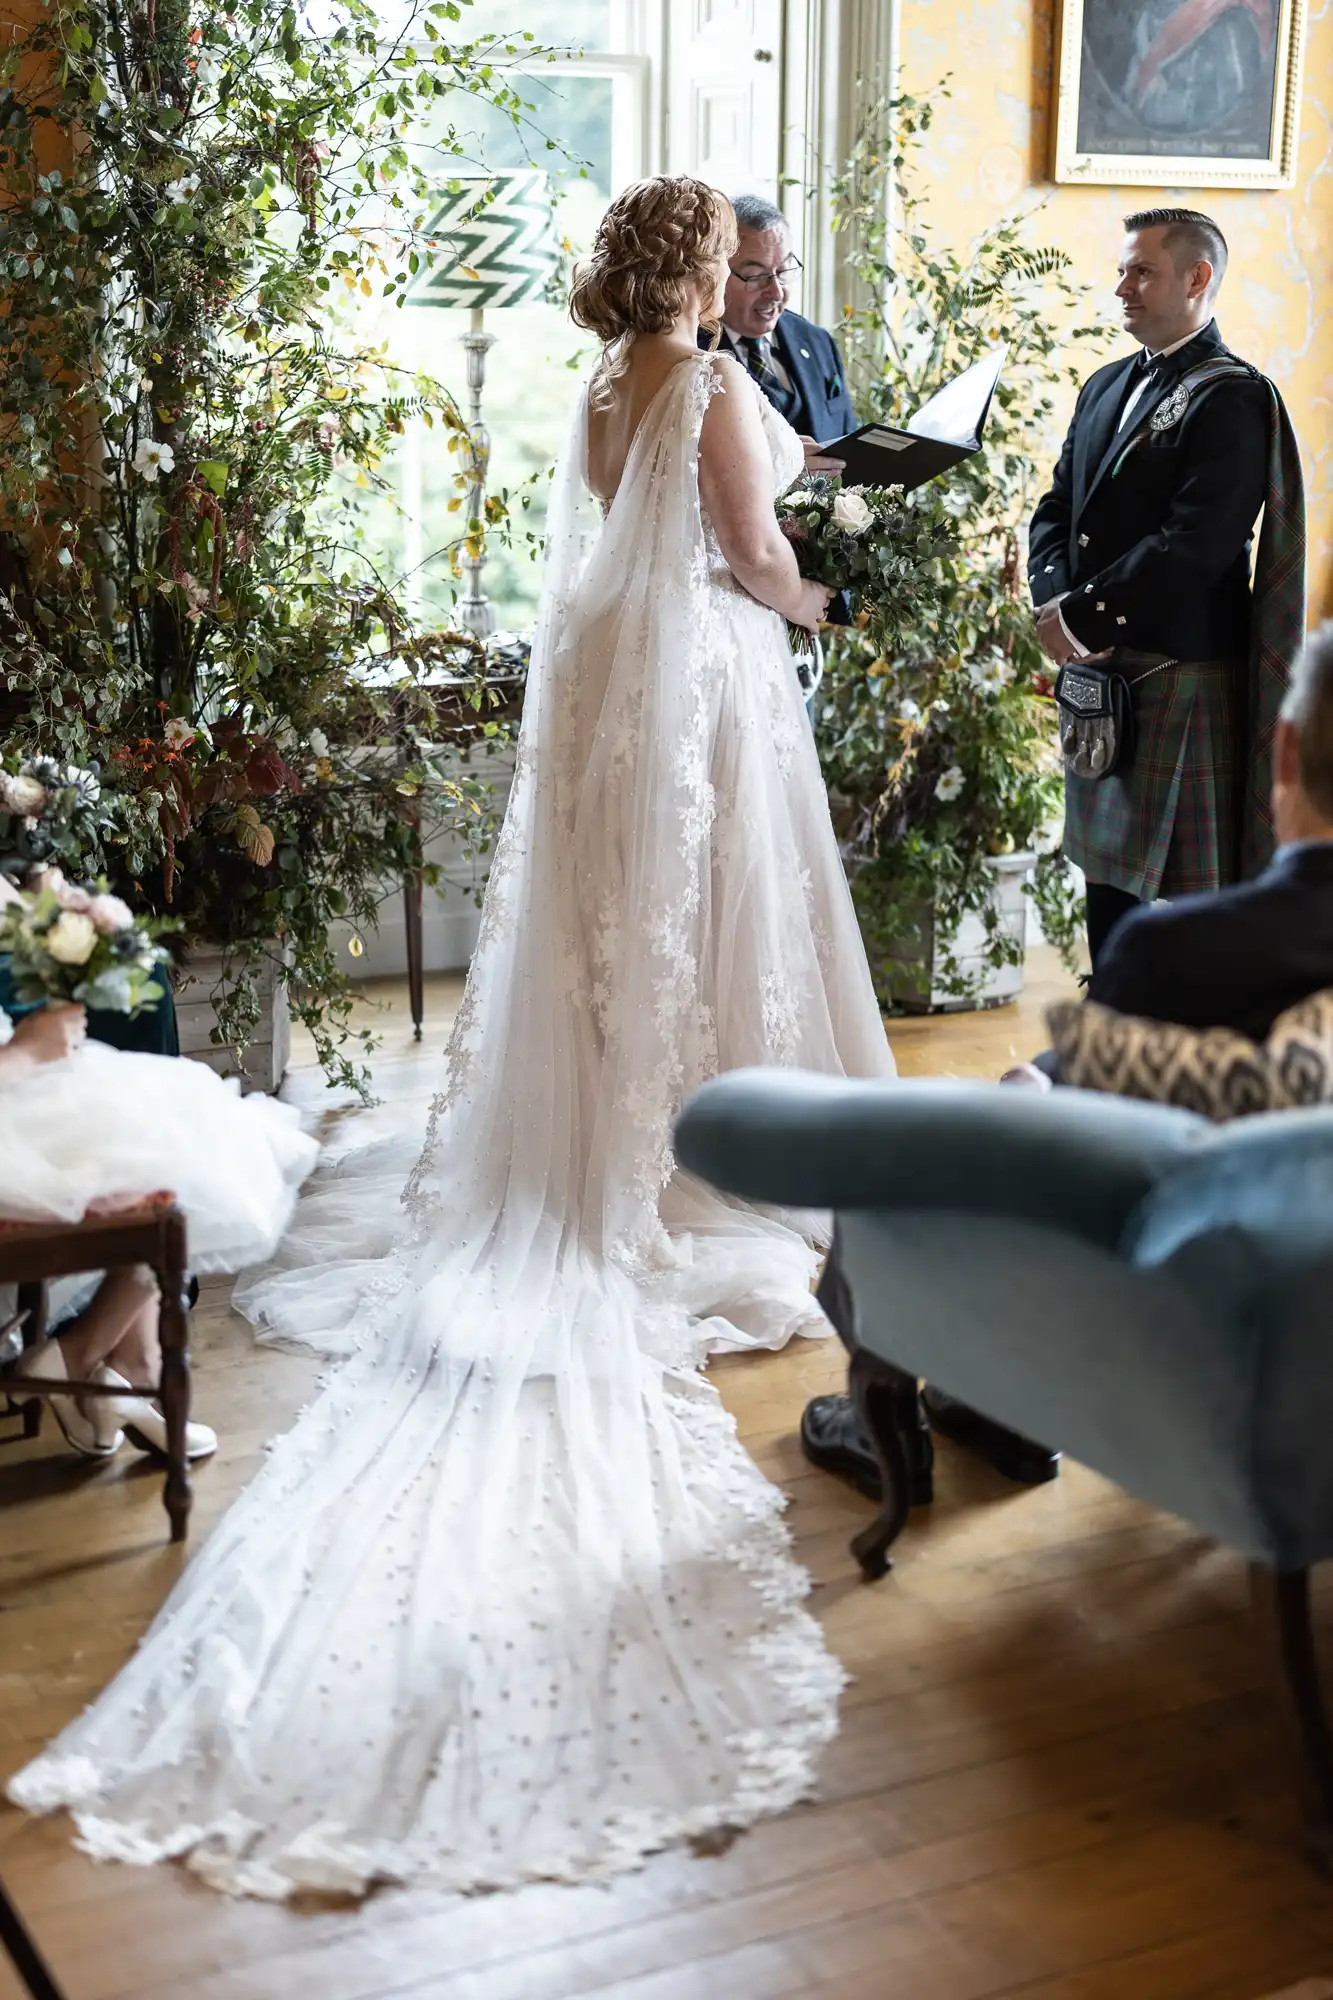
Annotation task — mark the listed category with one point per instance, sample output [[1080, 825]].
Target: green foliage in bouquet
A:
[[192, 192], [938, 740], [870, 542], [65, 941]]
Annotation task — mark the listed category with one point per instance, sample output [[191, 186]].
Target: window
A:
[[592, 103]]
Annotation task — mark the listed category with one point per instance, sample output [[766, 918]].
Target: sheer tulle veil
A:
[[510, 1601]]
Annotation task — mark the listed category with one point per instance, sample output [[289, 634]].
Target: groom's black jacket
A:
[[1156, 556]]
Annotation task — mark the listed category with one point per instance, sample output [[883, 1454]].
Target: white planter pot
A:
[[903, 984], [199, 985]]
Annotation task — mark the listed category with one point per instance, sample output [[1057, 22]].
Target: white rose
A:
[[21, 795], [71, 897], [949, 784], [852, 512], [110, 915], [72, 938]]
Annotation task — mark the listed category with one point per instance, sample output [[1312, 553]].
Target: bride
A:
[[510, 1601]]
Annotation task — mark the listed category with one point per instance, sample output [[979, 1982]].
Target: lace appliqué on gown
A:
[[510, 1601]]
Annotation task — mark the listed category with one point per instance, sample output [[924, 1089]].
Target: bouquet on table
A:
[[83, 945]]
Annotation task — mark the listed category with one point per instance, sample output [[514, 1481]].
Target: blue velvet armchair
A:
[[1147, 1291]]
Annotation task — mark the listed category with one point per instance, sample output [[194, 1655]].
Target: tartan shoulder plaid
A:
[[1277, 619], [1277, 631]]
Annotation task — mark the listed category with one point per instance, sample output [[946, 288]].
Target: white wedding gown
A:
[[510, 1601]]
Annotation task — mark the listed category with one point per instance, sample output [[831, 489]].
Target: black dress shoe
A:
[[1017, 1457], [832, 1439]]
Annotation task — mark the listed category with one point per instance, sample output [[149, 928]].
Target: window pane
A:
[[534, 367], [576, 24]]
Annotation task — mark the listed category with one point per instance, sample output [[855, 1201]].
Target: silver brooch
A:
[[1172, 410]]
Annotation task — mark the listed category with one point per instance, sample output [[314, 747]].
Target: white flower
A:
[[319, 743], [181, 190], [21, 795], [152, 458], [72, 938], [949, 784], [852, 512], [909, 710], [110, 915], [71, 897], [178, 732], [6, 1028], [208, 73]]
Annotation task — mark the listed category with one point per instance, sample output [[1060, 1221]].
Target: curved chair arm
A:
[[1070, 1159]]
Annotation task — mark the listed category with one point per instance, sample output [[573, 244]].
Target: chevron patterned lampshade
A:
[[499, 246]]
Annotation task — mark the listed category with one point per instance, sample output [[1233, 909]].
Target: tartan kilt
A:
[[1167, 825]]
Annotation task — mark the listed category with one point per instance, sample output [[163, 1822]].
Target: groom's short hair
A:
[[1309, 708], [1191, 237], [755, 211]]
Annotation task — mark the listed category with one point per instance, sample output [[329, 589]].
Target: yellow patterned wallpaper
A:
[[989, 151]]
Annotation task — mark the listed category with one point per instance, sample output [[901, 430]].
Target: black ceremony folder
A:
[[944, 430]]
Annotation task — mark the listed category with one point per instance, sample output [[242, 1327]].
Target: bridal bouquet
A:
[[82, 944], [867, 541]]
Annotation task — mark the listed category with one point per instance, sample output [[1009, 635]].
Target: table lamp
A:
[[501, 250]]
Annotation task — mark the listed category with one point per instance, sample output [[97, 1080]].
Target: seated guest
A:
[[112, 1336], [796, 364], [91, 1130], [1237, 958]]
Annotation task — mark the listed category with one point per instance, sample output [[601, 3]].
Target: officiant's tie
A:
[[758, 357]]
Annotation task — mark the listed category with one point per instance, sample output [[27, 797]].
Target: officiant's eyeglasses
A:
[[754, 280]]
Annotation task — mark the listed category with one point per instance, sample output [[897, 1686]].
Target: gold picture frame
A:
[[1121, 80]]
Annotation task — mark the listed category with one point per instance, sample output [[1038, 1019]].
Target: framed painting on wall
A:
[[1178, 93]]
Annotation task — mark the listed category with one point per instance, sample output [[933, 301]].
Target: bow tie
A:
[[1147, 363]]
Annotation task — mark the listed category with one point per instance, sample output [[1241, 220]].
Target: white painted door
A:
[[724, 92]]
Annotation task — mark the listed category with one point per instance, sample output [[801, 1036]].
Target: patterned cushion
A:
[[1211, 1071]]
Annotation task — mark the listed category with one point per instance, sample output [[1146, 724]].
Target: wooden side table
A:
[[32, 1253]]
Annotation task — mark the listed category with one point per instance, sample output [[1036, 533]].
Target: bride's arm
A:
[[736, 488]]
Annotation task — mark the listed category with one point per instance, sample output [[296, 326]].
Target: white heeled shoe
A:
[[145, 1426], [94, 1434]]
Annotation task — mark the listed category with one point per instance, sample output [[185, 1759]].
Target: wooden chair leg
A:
[[1283, 1600], [886, 1403], [173, 1328], [23, 1953]]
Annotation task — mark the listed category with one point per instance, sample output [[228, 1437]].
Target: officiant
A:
[[795, 363]]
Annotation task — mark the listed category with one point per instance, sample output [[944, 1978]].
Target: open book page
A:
[[956, 413]]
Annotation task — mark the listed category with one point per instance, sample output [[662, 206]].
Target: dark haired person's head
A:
[[1172, 264], [1303, 751]]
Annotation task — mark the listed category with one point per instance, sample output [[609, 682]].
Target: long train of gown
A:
[[510, 1601]]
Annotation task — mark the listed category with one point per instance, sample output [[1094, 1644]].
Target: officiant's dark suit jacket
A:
[[821, 407], [1150, 553]]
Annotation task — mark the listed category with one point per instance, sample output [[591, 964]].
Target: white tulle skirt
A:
[[107, 1122]]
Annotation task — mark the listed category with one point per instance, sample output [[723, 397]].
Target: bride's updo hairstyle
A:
[[659, 241]]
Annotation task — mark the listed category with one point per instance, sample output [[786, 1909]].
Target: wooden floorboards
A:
[[1060, 1774]]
